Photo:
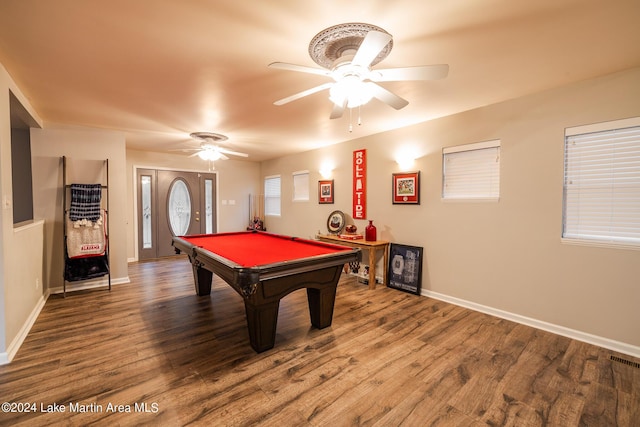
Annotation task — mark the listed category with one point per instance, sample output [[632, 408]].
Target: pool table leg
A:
[[202, 279], [261, 321], [321, 302]]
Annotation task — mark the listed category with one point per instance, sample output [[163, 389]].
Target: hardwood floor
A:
[[389, 359]]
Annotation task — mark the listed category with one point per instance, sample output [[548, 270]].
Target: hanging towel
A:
[[85, 202], [85, 240]]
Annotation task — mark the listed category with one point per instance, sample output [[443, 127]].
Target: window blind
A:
[[602, 186], [272, 195], [301, 186], [471, 171]]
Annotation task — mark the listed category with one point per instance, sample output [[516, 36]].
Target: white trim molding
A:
[[607, 343], [15, 345]]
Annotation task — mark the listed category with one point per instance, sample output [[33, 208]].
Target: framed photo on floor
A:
[[405, 268], [406, 188], [325, 191]]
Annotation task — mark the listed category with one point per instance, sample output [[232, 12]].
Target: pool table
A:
[[263, 268]]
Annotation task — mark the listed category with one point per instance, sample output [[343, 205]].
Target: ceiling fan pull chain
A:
[[350, 120], [359, 118]]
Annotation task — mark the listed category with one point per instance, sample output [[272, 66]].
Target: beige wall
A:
[[236, 179], [19, 295], [85, 150], [507, 255]]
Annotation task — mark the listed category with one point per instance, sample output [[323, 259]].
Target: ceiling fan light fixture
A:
[[352, 90], [346, 53], [209, 154]]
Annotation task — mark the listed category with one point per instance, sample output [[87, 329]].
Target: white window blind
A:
[[602, 186], [272, 195], [471, 171], [301, 186]]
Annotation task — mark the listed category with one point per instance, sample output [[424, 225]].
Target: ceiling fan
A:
[[208, 149], [347, 52]]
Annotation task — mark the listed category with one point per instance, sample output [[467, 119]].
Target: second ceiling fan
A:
[[209, 148], [347, 52]]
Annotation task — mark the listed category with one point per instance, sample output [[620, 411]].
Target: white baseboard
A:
[[607, 343], [101, 282], [13, 348]]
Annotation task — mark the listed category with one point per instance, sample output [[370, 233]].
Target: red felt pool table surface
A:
[[250, 249]]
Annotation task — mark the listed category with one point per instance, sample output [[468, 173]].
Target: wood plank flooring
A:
[[169, 357]]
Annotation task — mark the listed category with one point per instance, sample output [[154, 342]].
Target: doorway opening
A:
[[172, 203]]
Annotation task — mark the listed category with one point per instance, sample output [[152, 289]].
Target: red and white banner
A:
[[360, 184]]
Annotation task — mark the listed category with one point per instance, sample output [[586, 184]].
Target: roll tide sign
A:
[[360, 184]]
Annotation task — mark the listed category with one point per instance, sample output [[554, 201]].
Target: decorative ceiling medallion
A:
[[329, 44], [208, 136]]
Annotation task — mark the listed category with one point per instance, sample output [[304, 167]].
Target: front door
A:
[[173, 203]]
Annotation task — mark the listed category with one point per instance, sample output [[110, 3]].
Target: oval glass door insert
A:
[[179, 208]]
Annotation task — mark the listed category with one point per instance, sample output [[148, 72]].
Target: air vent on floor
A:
[[625, 361]]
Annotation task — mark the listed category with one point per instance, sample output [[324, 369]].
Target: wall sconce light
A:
[[326, 169], [405, 160]]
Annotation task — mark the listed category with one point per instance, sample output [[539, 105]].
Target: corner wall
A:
[[506, 255], [19, 295]]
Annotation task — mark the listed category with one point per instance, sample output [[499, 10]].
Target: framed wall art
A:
[[335, 222], [325, 192], [405, 268], [406, 188]]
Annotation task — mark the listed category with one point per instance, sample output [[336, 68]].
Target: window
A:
[[301, 186], [208, 205], [601, 202], [179, 208], [147, 223], [272, 195], [471, 171]]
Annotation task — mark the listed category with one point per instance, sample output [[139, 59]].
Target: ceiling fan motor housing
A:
[[208, 136], [331, 44]]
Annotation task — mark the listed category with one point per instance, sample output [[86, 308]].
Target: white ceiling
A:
[[160, 69]]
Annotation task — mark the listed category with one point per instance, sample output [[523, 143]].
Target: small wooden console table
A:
[[372, 247]]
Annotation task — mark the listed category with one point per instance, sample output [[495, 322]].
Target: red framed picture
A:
[[406, 188], [325, 191]]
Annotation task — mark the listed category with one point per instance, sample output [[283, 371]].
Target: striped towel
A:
[[85, 202]]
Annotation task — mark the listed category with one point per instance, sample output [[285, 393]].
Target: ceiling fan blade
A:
[[425, 72], [300, 68], [386, 96], [303, 93], [222, 156], [338, 110], [195, 154], [184, 150], [233, 153], [370, 47]]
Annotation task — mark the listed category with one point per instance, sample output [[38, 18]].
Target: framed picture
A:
[[335, 222], [405, 268], [406, 188], [325, 192]]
